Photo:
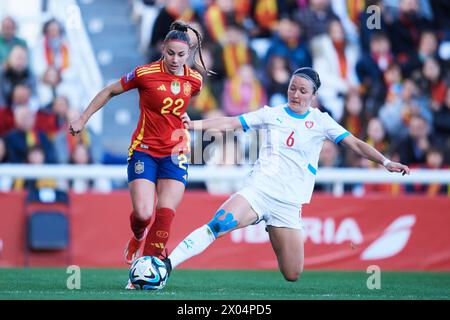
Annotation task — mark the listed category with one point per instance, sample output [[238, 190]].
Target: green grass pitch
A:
[[108, 284]]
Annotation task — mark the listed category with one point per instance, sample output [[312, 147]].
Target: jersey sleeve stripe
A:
[[199, 77], [243, 123], [312, 169], [147, 72], [147, 69], [342, 136]]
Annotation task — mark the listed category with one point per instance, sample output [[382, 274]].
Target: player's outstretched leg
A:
[[288, 246], [235, 213]]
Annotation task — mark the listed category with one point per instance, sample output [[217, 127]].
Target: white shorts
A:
[[272, 211]]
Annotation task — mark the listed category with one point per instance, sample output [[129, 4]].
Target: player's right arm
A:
[[96, 104], [220, 123], [255, 120]]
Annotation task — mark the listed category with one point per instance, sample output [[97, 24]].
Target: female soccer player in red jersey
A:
[[159, 150]]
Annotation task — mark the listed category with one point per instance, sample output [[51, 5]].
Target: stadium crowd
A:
[[384, 67]]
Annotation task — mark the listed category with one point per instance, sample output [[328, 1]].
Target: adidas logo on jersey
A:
[[162, 88]]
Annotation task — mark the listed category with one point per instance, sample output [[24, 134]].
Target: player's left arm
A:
[[367, 151]]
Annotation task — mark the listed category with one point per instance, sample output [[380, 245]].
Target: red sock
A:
[[138, 225], [159, 232]]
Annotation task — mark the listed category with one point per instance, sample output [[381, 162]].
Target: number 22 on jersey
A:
[[168, 103]]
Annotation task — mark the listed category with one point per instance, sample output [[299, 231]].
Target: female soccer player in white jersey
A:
[[282, 178]]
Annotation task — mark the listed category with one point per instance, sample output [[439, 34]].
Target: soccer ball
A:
[[148, 273]]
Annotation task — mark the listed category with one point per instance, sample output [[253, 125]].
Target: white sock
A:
[[192, 245]]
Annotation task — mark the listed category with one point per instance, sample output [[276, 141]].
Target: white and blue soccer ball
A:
[[148, 273]]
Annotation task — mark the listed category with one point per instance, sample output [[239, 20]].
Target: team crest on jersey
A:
[[175, 87], [309, 124], [139, 167], [187, 88]]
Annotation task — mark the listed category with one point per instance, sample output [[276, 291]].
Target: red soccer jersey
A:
[[163, 98]]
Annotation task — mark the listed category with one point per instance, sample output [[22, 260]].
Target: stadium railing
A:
[[336, 176]]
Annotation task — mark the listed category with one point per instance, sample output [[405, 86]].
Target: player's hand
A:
[[186, 120], [397, 167], [76, 126]]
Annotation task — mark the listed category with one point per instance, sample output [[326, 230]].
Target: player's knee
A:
[[143, 212], [222, 223], [292, 275]]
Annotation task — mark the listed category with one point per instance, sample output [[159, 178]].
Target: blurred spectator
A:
[[336, 58], [50, 85], [288, 43], [373, 64], [441, 122], [404, 32], [218, 17], [21, 139], [412, 149], [35, 156], [234, 51], [8, 38], [265, 15], [52, 118], [376, 137], [243, 92], [22, 96], [393, 81], [370, 69], [15, 71], [349, 15], [434, 160], [173, 10], [428, 46], [431, 82], [316, 18], [329, 158], [65, 143], [277, 80], [80, 155], [396, 114], [354, 117], [53, 50], [354, 160]]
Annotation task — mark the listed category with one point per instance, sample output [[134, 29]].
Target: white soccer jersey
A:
[[289, 154]]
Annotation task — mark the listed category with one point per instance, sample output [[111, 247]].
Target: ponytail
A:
[[178, 31]]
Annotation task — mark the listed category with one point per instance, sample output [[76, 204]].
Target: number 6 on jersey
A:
[[290, 140]]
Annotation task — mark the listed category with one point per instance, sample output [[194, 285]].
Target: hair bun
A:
[[179, 26]]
